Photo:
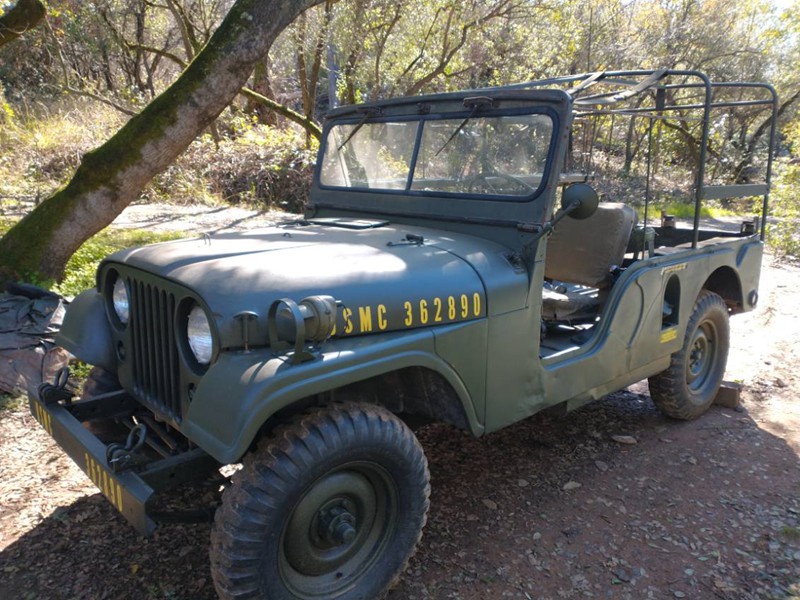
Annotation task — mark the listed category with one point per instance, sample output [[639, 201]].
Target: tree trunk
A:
[[25, 15], [262, 85], [112, 176]]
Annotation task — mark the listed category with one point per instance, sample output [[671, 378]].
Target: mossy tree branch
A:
[[306, 123], [25, 15], [309, 125], [112, 176]]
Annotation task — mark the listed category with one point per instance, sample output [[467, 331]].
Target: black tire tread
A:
[[667, 388], [267, 472]]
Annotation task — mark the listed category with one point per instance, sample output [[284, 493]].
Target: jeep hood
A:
[[386, 277]]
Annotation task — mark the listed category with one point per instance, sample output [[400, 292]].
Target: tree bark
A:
[[25, 15], [112, 176]]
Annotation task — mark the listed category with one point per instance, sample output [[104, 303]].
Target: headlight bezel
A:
[[113, 280], [184, 314]]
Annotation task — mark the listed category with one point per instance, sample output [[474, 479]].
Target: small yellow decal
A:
[[669, 334], [673, 269]]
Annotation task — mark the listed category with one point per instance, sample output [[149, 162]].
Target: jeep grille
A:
[[156, 372]]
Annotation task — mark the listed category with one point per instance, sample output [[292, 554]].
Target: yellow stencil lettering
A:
[[348, 323], [409, 320], [90, 469], [451, 308], [40, 416], [437, 304], [476, 304], [464, 306], [423, 311], [365, 318], [382, 324]]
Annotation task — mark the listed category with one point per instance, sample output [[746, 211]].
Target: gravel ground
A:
[[611, 501]]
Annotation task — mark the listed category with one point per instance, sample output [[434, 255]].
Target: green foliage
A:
[[259, 165], [39, 150], [783, 230], [251, 164], [383, 48], [79, 370], [6, 112], [10, 402]]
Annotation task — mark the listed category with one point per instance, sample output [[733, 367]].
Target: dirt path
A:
[[546, 509]]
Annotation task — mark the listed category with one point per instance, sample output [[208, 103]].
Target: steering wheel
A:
[[482, 179]]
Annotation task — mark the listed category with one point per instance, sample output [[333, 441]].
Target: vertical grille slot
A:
[[155, 352]]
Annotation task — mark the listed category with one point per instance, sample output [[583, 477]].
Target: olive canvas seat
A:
[[580, 257]]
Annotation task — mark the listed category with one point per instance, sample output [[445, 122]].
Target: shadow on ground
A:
[[707, 509]]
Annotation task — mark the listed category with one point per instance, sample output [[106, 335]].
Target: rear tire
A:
[[331, 506], [687, 388]]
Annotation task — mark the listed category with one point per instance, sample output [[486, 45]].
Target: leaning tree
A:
[[113, 175]]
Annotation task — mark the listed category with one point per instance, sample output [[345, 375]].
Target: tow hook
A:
[[123, 456], [50, 393]]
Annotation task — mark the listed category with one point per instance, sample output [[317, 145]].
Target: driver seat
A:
[[581, 254]]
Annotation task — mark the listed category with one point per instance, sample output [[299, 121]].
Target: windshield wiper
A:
[[475, 103], [369, 111]]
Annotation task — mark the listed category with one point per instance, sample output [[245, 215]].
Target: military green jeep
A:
[[454, 265]]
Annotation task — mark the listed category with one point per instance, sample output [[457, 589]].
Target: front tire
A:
[[687, 388], [331, 506]]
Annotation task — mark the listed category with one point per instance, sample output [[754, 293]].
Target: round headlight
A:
[[198, 330], [120, 299]]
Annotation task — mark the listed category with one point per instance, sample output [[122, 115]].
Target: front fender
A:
[[86, 332], [241, 390]]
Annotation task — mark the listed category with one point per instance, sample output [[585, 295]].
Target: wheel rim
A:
[[702, 358], [338, 530]]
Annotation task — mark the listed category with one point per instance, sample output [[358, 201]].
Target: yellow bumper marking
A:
[[43, 417], [100, 477]]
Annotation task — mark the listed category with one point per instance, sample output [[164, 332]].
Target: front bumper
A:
[[128, 491]]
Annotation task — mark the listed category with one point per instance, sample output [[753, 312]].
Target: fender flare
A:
[[267, 384]]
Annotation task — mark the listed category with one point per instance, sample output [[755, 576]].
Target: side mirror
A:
[[579, 201]]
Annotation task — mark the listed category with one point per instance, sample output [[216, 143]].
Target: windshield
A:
[[498, 156]]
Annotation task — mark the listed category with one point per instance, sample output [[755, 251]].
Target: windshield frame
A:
[[422, 119]]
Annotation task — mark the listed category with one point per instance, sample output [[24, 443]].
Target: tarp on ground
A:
[[29, 319]]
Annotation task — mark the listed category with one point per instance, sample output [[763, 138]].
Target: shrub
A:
[[783, 231], [260, 166]]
